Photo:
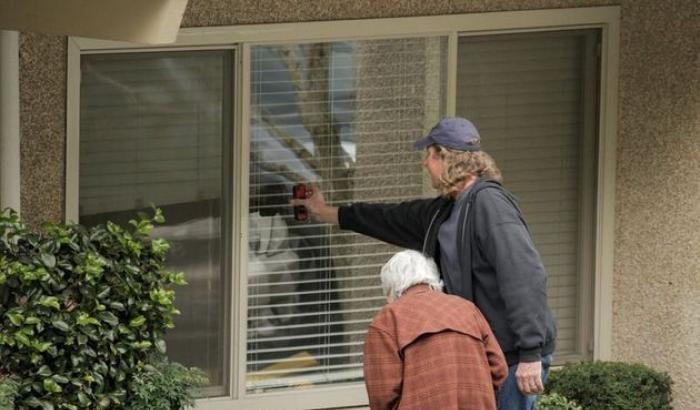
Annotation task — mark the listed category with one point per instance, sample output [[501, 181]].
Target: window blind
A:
[[525, 93], [343, 115], [151, 128]]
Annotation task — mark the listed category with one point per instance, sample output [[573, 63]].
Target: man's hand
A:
[[317, 207], [529, 378]]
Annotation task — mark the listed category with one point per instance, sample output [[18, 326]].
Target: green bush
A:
[[554, 401], [82, 310], [164, 386], [612, 386]]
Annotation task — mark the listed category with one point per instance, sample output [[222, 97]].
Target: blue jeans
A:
[[509, 396]]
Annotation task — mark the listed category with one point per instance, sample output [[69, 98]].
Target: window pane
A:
[[532, 98], [343, 115], [152, 128]]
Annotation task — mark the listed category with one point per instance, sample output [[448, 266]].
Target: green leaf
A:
[[48, 260], [108, 335], [177, 278], [44, 371], [83, 399], [84, 320], [160, 345], [51, 386], [138, 321], [41, 346], [104, 402], [142, 345], [104, 292], [61, 325], [16, 318], [160, 246], [50, 301], [60, 379], [114, 228], [33, 402], [145, 228], [117, 306], [158, 217], [109, 318], [52, 351], [23, 339], [32, 320]]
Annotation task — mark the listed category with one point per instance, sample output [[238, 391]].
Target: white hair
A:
[[408, 268]]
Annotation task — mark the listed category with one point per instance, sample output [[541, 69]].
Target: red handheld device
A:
[[300, 191]]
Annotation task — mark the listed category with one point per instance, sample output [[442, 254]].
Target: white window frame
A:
[[242, 38]]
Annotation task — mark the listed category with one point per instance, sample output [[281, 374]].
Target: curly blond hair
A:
[[459, 165]]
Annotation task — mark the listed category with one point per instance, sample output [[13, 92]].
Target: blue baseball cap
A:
[[452, 132]]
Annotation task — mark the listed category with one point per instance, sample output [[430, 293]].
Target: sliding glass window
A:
[[154, 129]]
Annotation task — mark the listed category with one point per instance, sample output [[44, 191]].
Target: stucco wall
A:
[[42, 88], [657, 255], [656, 299]]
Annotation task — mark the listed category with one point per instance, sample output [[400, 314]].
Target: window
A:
[[343, 115], [217, 128], [153, 130]]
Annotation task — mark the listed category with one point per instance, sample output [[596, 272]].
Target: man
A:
[[426, 350], [476, 233]]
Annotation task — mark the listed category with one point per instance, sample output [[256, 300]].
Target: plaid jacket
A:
[[428, 350]]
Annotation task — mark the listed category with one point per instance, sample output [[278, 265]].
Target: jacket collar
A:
[[417, 289]]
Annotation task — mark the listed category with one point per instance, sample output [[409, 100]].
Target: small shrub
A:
[[554, 401], [82, 310], [164, 385], [612, 386]]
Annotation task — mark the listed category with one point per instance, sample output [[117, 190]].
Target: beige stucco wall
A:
[[656, 299], [657, 245]]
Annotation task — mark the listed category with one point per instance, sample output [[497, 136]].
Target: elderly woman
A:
[[427, 350]]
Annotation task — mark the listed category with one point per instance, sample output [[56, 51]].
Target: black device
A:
[[300, 191]]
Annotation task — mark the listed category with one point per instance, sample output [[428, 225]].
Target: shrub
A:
[[554, 401], [81, 310], [612, 386], [164, 386]]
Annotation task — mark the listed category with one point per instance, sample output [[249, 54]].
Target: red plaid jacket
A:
[[428, 350]]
